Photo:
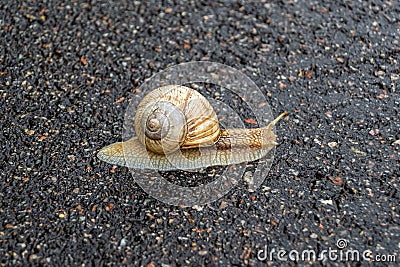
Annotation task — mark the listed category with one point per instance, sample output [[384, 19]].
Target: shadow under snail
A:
[[177, 128]]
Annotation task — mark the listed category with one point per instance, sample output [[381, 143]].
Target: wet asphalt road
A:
[[68, 70]]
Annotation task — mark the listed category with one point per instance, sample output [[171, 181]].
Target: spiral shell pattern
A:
[[174, 117]]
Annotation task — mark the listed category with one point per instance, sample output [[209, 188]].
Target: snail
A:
[[177, 128]]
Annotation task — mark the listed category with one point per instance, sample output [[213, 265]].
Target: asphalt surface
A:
[[68, 70]]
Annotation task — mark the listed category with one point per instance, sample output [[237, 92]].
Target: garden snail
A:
[[177, 128]]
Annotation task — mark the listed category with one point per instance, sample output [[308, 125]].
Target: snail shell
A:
[[175, 117], [177, 128]]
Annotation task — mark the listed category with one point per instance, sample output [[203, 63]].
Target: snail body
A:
[[177, 128]]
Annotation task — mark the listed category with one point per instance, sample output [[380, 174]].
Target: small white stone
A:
[[314, 235], [332, 144], [197, 207], [328, 201]]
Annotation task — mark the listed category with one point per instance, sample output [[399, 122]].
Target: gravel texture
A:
[[68, 70]]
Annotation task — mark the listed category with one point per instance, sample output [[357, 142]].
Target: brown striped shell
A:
[[174, 117]]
